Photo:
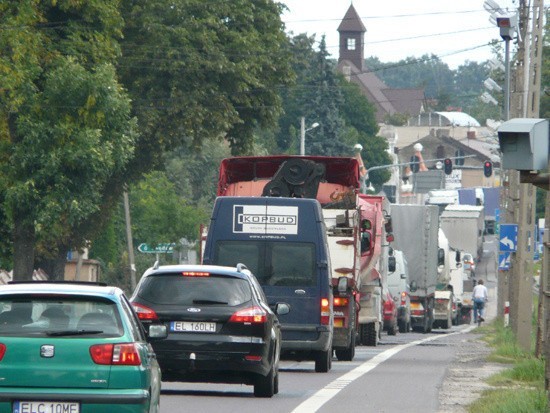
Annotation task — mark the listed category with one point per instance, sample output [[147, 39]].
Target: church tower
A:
[[352, 38]]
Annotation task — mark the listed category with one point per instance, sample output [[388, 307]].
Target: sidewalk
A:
[[465, 379]]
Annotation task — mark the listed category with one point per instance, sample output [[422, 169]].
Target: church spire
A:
[[352, 38]]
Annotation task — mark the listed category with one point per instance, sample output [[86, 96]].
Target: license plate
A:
[[193, 327], [45, 407]]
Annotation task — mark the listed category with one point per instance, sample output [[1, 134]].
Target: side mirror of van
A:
[[365, 241], [282, 308], [392, 263], [414, 286], [440, 256], [457, 257]]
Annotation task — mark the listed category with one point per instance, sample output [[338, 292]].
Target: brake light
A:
[[325, 311], [125, 354], [144, 313], [341, 301], [251, 315], [2, 351], [403, 298], [195, 274]]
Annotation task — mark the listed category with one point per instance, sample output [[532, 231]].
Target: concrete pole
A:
[[129, 241], [302, 136]]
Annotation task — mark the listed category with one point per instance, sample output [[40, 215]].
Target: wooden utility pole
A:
[[525, 103]]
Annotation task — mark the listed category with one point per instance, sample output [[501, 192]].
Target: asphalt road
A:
[[404, 373]]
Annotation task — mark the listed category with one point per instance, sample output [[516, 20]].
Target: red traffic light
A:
[[448, 166], [487, 168]]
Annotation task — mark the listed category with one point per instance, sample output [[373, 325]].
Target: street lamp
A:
[[303, 131], [507, 25]]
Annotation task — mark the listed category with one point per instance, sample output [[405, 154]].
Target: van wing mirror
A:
[[392, 263], [282, 308]]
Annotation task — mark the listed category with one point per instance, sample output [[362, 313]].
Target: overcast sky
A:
[[455, 31]]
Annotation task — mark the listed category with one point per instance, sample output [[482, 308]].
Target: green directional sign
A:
[[159, 249]]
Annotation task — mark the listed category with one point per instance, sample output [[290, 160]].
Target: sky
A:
[[454, 30]]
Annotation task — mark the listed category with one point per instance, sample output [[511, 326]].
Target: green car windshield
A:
[[30, 315]]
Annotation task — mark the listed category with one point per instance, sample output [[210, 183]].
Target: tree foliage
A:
[[201, 69], [66, 131]]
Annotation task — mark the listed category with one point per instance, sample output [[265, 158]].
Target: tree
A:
[[60, 99], [327, 98], [202, 70]]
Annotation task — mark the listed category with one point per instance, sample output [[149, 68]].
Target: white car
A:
[[469, 263]]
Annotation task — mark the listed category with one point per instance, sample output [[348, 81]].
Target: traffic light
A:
[[415, 163], [448, 166], [487, 168]]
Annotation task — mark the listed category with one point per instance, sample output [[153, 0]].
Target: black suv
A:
[[211, 324]]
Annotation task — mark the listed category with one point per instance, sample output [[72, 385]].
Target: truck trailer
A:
[[415, 231]]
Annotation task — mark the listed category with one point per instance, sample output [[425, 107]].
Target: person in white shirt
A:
[[480, 297]]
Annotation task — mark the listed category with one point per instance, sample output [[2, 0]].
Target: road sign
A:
[[508, 237], [159, 249], [504, 261]]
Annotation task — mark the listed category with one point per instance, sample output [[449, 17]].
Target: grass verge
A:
[[518, 389]]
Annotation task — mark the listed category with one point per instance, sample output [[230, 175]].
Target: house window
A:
[[351, 44]]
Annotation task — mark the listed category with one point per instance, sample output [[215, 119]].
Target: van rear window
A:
[[290, 264]]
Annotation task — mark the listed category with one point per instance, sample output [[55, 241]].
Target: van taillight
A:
[[2, 351], [125, 354], [144, 312], [251, 315], [325, 311], [403, 298]]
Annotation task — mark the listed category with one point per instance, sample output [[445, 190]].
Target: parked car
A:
[[211, 324], [73, 347]]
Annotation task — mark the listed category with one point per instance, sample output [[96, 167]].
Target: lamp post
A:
[[303, 131], [507, 27]]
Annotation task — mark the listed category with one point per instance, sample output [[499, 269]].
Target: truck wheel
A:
[[392, 330], [349, 353], [323, 361], [368, 335]]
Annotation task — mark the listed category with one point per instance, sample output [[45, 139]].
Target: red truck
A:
[[358, 231]]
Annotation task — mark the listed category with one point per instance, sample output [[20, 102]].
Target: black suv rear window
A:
[[185, 290]]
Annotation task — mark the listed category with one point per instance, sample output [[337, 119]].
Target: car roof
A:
[[240, 271], [77, 288]]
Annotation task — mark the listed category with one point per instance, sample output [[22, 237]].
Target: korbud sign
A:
[[265, 219]]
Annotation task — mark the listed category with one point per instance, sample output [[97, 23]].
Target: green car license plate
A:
[[195, 327], [45, 407]]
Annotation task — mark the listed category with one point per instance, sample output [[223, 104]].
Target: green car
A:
[[73, 348]]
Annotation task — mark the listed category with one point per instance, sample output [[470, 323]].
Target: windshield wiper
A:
[[72, 333], [209, 302]]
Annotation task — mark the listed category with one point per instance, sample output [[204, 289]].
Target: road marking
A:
[[316, 401]]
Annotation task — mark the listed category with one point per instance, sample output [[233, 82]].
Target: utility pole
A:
[[525, 103], [129, 240]]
